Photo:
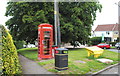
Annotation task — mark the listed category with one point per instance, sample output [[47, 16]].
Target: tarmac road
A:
[[114, 50], [113, 71]]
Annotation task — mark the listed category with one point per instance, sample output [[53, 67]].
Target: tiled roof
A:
[[107, 27]]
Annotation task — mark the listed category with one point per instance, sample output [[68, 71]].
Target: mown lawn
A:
[[113, 47], [78, 62], [30, 53]]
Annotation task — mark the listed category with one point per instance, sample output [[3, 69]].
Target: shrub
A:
[[118, 39], [95, 40], [9, 54], [113, 43], [19, 44]]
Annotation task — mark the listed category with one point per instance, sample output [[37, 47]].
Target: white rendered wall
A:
[[99, 33]]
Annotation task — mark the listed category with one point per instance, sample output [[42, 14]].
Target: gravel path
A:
[[31, 67]]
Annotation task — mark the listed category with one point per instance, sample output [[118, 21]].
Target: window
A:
[[108, 32], [116, 32], [101, 44]]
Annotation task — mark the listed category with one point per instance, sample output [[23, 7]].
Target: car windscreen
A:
[[101, 44]]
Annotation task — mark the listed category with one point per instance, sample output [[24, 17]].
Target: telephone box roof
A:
[[44, 25]]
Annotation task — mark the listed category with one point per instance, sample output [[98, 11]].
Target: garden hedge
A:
[[19, 44], [10, 60], [95, 40]]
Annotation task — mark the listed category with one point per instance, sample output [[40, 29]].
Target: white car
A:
[[24, 46], [30, 46], [117, 45]]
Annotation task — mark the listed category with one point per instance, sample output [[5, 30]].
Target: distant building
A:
[[110, 31]]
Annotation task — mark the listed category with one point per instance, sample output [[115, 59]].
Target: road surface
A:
[[114, 50]]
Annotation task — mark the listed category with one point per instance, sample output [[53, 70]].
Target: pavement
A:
[[110, 71], [31, 67]]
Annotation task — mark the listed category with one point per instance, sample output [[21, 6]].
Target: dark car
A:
[[117, 45], [103, 45]]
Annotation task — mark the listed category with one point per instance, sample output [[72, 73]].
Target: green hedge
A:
[[95, 40], [19, 44], [113, 43], [9, 54]]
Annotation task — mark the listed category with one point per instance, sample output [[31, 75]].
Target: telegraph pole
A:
[[57, 24]]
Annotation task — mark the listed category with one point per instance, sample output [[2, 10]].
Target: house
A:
[[109, 31]]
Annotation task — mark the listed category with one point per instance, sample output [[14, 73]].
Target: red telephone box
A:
[[45, 41]]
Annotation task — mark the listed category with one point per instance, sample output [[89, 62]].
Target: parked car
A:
[[103, 45], [117, 45], [30, 46], [24, 46]]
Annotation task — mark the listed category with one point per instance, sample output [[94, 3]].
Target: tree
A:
[[9, 54], [76, 19], [26, 16]]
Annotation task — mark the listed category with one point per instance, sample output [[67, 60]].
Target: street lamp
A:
[[119, 19]]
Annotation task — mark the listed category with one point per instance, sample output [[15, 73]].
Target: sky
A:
[[3, 19], [109, 14]]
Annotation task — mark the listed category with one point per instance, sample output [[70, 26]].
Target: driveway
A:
[[114, 50]]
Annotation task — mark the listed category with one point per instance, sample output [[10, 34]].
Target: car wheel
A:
[[104, 48], [118, 48]]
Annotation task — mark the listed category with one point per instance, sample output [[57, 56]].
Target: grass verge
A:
[[113, 47], [30, 53], [78, 62]]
